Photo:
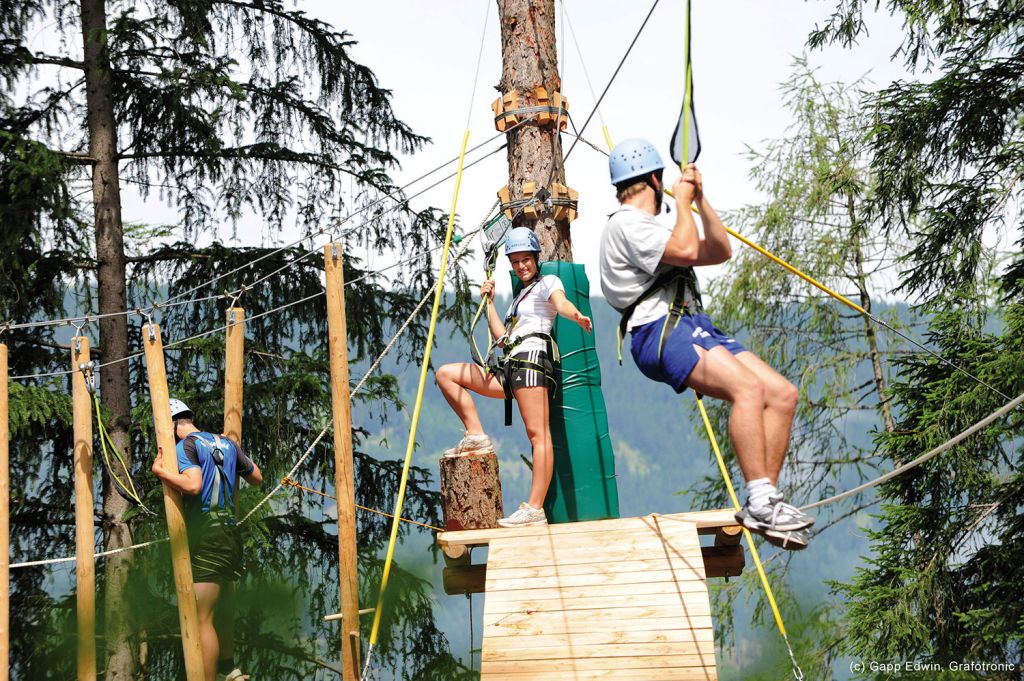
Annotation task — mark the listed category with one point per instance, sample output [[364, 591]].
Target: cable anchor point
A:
[[88, 370]]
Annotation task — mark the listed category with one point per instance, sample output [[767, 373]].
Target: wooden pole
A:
[[85, 528], [5, 525], [188, 616], [234, 366], [529, 59], [344, 469]]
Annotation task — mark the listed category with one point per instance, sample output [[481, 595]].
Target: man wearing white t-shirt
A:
[[647, 275]]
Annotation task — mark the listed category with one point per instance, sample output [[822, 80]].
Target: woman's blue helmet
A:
[[633, 158], [521, 239]]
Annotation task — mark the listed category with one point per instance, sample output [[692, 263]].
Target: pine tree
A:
[[234, 112], [941, 583]]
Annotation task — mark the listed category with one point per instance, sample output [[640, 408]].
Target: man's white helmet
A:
[[179, 408]]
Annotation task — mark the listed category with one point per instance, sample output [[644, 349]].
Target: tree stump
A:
[[470, 492]]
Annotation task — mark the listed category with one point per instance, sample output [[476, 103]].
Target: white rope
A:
[[980, 425]]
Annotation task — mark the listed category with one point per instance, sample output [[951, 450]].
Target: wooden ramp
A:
[[623, 599]]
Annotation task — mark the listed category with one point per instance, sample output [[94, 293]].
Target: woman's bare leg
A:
[[533, 406], [456, 381]]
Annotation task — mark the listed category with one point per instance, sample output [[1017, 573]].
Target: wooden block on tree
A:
[[530, 210], [471, 491], [723, 561], [505, 197]]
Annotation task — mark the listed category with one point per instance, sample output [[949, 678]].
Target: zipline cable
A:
[[931, 454], [612, 79], [313, 250]]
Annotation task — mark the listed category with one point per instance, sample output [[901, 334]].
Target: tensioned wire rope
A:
[[315, 249], [414, 424], [326, 429], [173, 301]]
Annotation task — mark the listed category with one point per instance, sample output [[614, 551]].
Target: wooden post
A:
[[344, 469], [234, 368], [188, 616], [85, 528], [5, 525]]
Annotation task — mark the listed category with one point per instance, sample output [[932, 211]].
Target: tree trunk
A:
[[470, 492], [529, 60], [110, 280], [869, 329]]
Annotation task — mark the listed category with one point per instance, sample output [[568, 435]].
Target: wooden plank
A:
[[661, 674], [583, 622], [653, 574], [707, 522], [703, 649], [636, 662], [575, 592], [685, 604], [581, 555], [622, 634], [504, 571], [723, 561], [467, 579], [651, 535]]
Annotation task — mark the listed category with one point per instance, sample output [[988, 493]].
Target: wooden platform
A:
[[624, 599]]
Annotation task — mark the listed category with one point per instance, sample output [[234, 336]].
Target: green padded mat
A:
[[583, 486]]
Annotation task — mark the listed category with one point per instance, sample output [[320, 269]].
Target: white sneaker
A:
[[470, 444], [234, 675], [525, 516], [778, 516]]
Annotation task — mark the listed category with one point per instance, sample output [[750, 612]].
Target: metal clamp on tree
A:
[[540, 107]]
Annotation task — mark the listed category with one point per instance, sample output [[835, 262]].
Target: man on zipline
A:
[[208, 468], [647, 275]]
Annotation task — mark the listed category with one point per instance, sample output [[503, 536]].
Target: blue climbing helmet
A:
[[633, 158], [521, 239]]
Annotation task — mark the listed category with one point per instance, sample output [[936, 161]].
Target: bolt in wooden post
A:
[[188, 616], [85, 528], [234, 366], [5, 525], [344, 473]]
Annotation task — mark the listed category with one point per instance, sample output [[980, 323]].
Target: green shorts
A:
[[215, 546]]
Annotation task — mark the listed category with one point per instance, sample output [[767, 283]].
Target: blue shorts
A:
[[678, 356]]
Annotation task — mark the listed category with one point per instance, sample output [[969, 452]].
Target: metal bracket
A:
[[334, 250], [88, 373]]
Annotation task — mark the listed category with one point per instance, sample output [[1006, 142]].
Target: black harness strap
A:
[[686, 300]]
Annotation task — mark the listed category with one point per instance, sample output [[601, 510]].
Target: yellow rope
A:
[[288, 482], [736, 504], [419, 397]]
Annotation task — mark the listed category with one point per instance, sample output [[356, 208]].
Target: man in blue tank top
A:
[[209, 466]]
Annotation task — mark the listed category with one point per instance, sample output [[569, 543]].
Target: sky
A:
[[426, 54]]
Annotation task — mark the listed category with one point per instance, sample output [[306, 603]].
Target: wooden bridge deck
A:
[[624, 599]]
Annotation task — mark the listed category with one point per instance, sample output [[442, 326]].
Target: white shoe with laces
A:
[[234, 675], [470, 444], [777, 517], [525, 516]]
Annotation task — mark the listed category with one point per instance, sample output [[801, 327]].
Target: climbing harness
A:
[[686, 300], [506, 367], [221, 509], [114, 460]]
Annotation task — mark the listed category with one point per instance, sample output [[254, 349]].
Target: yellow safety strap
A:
[[419, 397]]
